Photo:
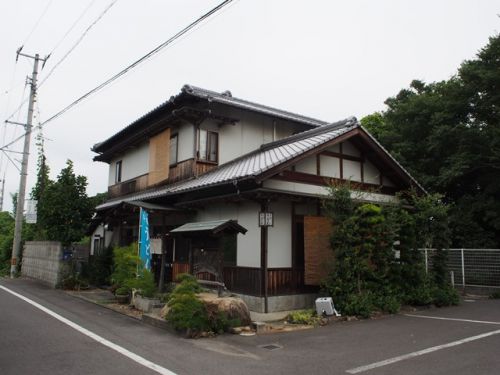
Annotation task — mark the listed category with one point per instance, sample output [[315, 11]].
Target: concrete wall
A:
[[42, 260]]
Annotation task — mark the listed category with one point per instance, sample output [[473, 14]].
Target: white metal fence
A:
[[470, 267]]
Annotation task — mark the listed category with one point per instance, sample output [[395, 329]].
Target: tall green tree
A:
[[66, 210], [447, 134], [42, 183]]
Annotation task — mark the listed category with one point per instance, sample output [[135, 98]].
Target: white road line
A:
[[134, 357], [389, 361], [452, 319]]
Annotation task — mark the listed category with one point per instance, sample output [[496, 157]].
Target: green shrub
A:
[[126, 262], [123, 290], [308, 317], [99, 268], [144, 283], [389, 303], [220, 323], [420, 296], [445, 296], [187, 283], [359, 305], [187, 312]]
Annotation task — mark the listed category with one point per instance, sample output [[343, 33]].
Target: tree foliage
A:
[[366, 275], [448, 136], [64, 210]]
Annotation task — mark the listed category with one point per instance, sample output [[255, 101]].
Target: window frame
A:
[[170, 163], [118, 171], [208, 148]]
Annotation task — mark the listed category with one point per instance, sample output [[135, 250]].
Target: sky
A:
[[321, 58]]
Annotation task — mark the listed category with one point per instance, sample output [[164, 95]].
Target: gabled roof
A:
[[266, 160], [189, 92]]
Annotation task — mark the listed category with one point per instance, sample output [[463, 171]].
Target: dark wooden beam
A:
[[311, 179]]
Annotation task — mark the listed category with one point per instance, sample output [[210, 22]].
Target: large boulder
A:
[[233, 308]]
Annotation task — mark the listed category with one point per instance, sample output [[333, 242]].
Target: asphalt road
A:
[[99, 341]]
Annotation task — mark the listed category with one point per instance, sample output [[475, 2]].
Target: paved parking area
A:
[[456, 340]]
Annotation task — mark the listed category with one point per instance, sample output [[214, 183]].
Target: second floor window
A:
[[173, 149], [208, 145], [118, 171]]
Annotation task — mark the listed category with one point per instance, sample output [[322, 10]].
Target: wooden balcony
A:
[[178, 172]]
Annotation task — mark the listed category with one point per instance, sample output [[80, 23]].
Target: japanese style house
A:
[[234, 191]]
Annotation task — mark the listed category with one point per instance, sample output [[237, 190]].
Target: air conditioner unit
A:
[[324, 306]]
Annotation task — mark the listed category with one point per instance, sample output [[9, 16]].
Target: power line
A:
[[129, 67], [140, 60], [72, 26], [79, 40], [38, 21], [25, 100]]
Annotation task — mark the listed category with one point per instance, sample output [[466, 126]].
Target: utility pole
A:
[[16, 246], [1, 194]]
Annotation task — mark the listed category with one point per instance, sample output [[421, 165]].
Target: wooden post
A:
[[263, 258], [161, 284]]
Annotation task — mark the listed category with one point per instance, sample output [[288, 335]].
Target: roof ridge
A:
[[227, 95]]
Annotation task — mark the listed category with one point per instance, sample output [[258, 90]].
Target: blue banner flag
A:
[[144, 243]]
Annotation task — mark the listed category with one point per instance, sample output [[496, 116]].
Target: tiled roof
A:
[[227, 98], [212, 226], [252, 164], [210, 96]]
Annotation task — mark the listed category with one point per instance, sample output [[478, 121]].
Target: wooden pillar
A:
[[263, 258], [163, 255]]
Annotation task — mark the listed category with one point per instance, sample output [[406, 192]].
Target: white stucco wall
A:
[[352, 170], [329, 166], [248, 245], [314, 190], [307, 165], [249, 133], [134, 163], [370, 173], [185, 149], [279, 238], [349, 149]]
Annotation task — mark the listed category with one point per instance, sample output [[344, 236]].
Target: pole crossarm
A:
[[15, 123], [4, 149]]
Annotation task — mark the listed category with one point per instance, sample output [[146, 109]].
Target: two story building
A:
[[234, 190]]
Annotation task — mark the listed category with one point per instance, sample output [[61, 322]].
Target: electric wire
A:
[[72, 26], [139, 61], [37, 22], [130, 67], [78, 41]]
